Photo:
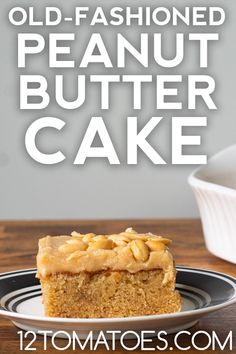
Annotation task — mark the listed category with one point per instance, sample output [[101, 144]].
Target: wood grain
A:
[[18, 247]]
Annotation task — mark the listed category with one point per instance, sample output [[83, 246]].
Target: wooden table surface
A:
[[18, 247]]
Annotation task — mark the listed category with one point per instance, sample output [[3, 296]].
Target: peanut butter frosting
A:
[[128, 251]]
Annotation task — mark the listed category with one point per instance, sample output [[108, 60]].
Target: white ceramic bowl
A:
[[214, 186]]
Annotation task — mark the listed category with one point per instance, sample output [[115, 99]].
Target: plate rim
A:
[[200, 312]]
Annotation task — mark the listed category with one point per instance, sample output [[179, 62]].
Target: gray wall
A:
[[29, 190]]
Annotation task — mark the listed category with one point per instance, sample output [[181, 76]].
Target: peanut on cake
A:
[[118, 275]]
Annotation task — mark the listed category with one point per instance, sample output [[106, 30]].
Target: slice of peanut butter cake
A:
[[97, 276]]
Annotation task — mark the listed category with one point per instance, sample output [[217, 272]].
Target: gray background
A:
[[29, 190]]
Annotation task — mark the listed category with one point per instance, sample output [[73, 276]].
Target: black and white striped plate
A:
[[203, 291]]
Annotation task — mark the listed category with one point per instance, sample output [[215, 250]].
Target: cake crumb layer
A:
[[109, 294]]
